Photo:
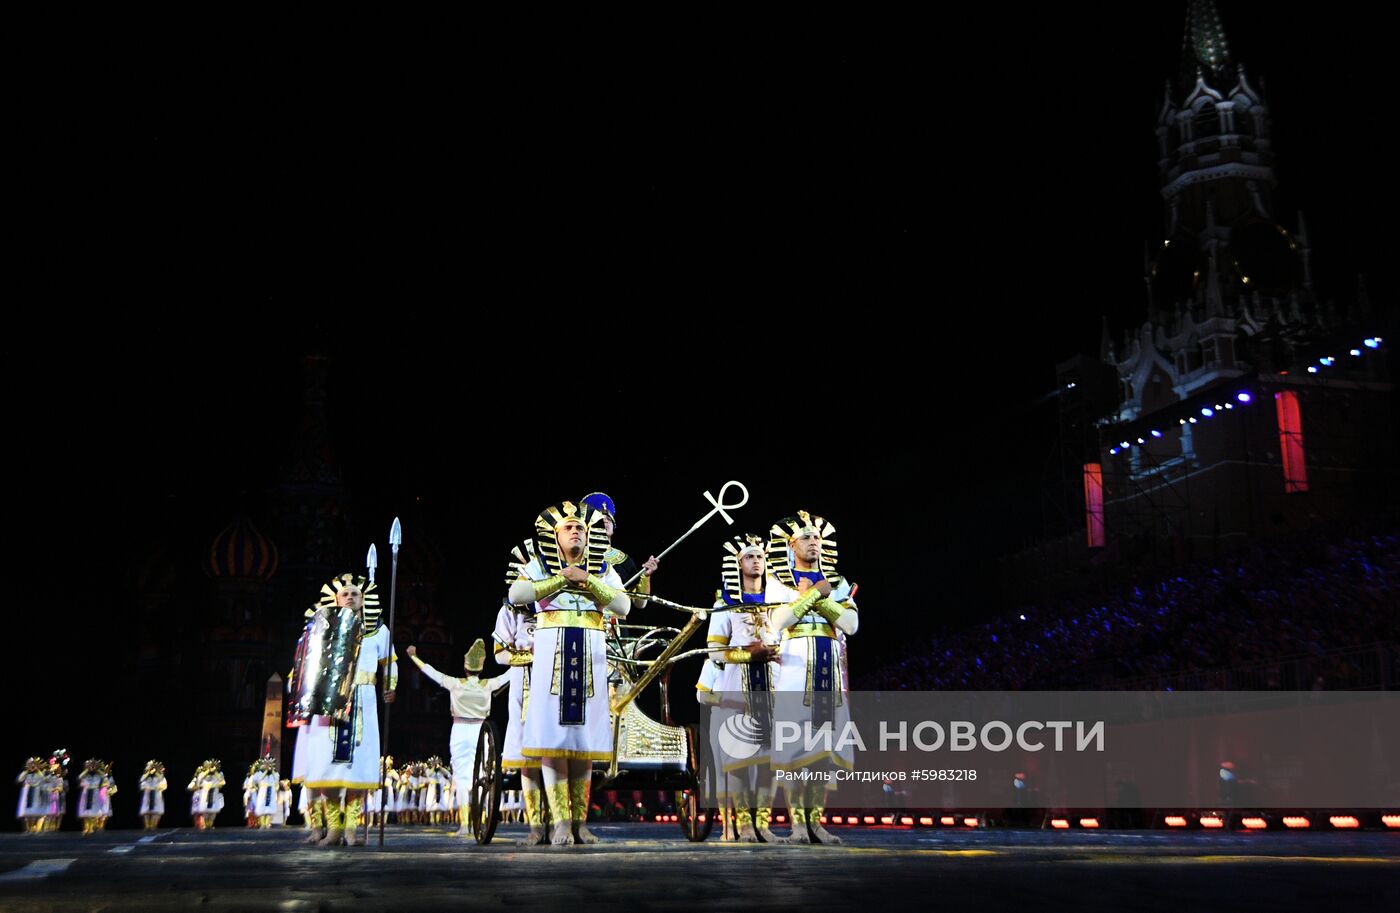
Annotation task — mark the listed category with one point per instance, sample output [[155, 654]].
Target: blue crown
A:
[[600, 501]]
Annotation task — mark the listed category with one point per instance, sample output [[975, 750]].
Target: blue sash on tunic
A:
[[345, 732], [572, 696], [823, 678]]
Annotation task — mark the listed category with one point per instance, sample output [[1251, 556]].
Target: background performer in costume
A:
[[206, 793], [471, 705]]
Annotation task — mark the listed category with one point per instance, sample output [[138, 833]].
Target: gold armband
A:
[[547, 587], [738, 655], [829, 609], [599, 592], [805, 602], [522, 657]]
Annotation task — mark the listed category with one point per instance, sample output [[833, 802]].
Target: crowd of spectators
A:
[[1308, 612]]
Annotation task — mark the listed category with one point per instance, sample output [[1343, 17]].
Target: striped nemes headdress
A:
[[595, 544], [367, 589], [780, 537], [731, 578]]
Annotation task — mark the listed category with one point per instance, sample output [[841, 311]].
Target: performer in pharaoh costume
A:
[[450, 791], [567, 725], [333, 692], [153, 788], [250, 818], [33, 795], [206, 796], [423, 783], [57, 788], [821, 608], [381, 801], [470, 706], [447, 793], [433, 793], [263, 778], [744, 645], [284, 803], [514, 643], [95, 799], [406, 805]]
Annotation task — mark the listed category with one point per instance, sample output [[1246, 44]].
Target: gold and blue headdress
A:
[[780, 537], [595, 545], [731, 577]]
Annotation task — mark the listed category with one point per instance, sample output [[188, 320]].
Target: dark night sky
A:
[[837, 268]]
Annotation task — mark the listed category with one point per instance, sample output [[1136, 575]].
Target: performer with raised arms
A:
[[470, 706]]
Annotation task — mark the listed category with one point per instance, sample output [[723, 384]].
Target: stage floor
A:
[[650, 867]]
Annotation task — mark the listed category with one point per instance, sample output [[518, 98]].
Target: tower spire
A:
[[1204, 49]]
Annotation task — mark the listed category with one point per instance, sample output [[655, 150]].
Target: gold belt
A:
[[364, 678], [809, 630], [565, 618]]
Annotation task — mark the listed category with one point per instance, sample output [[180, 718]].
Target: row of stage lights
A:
[[879, 820], [1206, 822], [1328, 361], [1291, 822], [1244, 397]]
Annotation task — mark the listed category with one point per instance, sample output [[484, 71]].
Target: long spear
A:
[[395, 540], [372, 562]]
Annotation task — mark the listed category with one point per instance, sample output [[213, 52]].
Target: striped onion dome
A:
[[239, 550]]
